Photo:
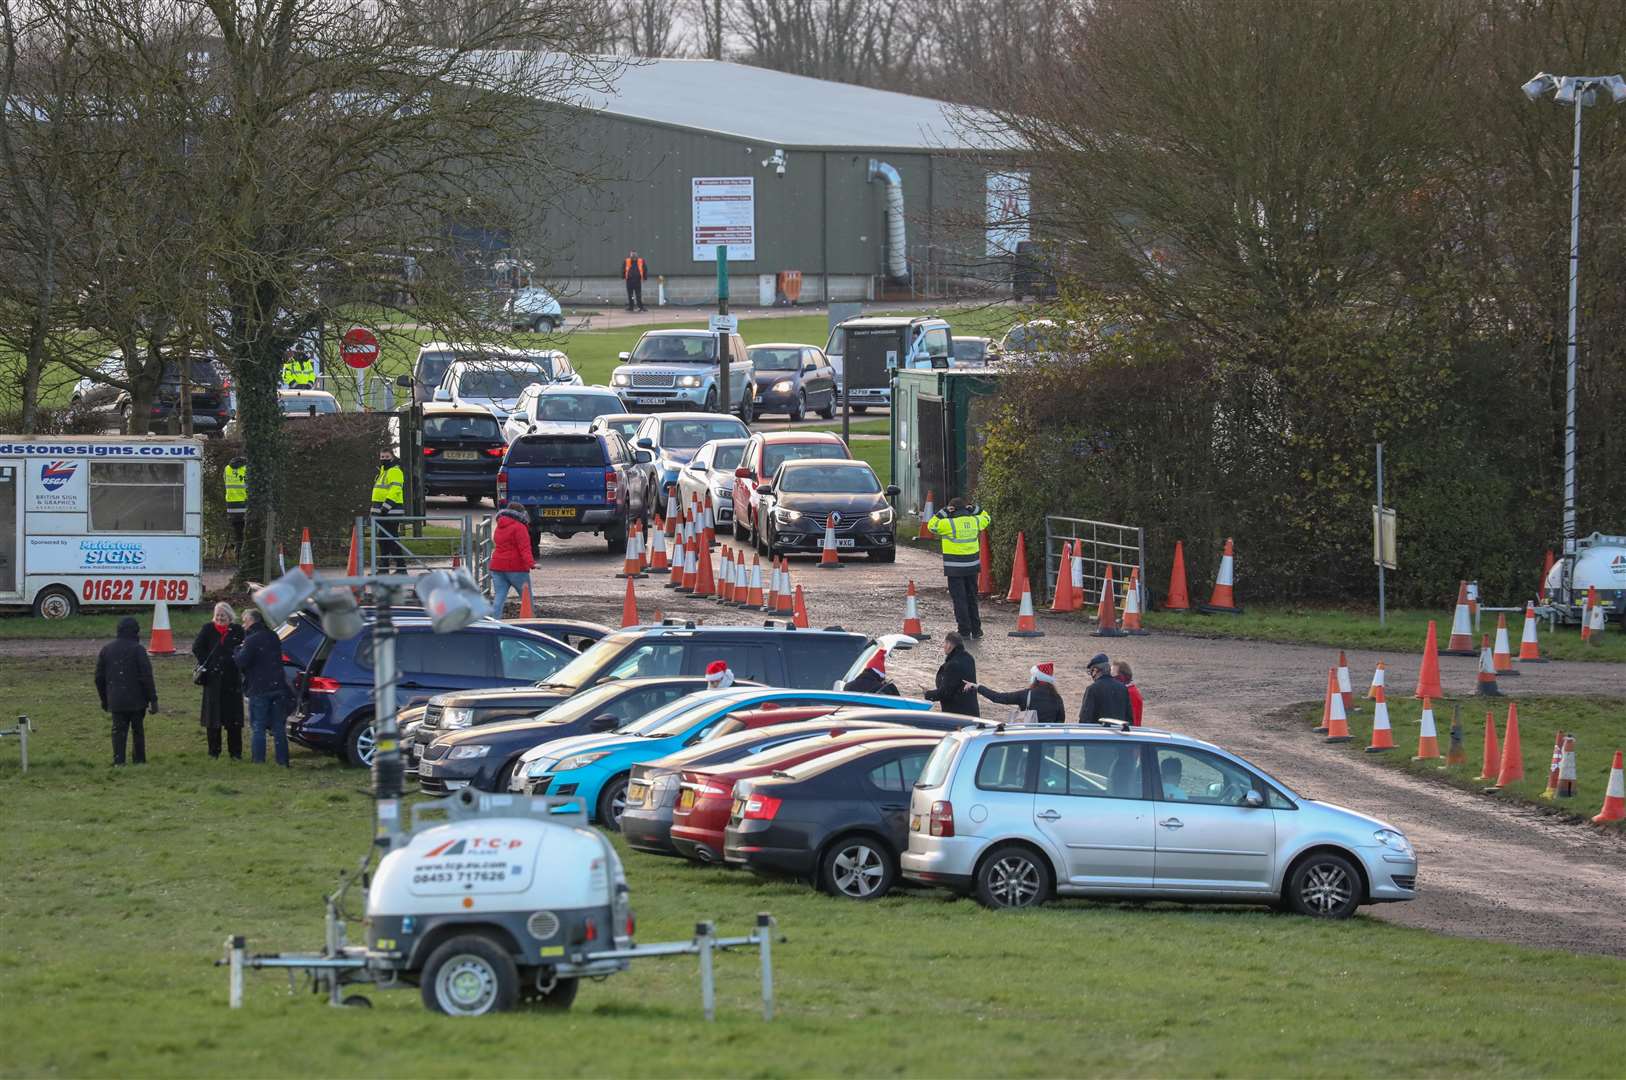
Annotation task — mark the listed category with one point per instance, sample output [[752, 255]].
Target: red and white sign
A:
[[359, 347], [144, 590]]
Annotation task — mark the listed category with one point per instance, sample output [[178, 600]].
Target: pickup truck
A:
[[573, 482], [678, 369]]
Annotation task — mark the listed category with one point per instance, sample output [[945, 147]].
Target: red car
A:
[[705, 796], [762, 457]]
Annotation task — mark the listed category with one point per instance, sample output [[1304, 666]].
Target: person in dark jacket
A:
[[222, 706], [956, 679], [259, 658], [1040, 695], [1107, 698], [124, 685], [872, 680]]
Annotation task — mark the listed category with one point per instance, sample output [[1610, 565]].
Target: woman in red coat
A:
[[511, 559]]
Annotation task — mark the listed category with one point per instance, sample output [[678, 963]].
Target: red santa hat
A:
[[1045, 672], [718, 675], [877, 662]]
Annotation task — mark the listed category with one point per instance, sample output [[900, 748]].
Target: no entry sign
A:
[[359, 347]]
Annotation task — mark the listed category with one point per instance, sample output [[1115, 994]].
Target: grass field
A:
[[1598, 724], [121, 885]]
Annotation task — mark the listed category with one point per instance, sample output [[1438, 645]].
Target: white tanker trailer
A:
[[1600, 562]]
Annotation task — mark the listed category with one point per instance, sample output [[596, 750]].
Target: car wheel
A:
[[711, 400], [611, 802], [829, 410], [1013, 877], [739, 530], [55, 602], [469, 976], [860, 409], [616, 539], [747, 409], [360, 742], [799, 413], [561, 996], [884, 555], [858, 868], [1325, 886]]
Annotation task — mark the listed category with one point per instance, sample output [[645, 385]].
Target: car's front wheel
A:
[[612, 801], [360, 742], [1325, 886], [1013, 877]]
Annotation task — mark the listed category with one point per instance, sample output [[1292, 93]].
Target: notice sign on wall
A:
[[724, 212]]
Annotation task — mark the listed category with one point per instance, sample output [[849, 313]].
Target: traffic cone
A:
[[753, 595], [1512, 759], [1428, 741], [1131, 620], [1061, 598], [1223, 600], [162, 641], [629, 607], [1462, 633], [705, 580], [926, 512], [1382, 734], [1076, 575], [1327, 700], [787, 604], [1457, 753], [307, 561], [1546, 569], [1596, 625], [282, 558], [1614, 797], [1379, 675], [709, 519], [1486, 686], [911, 615], [985, 567], [725, 576], [1019, 570], [771, 599], [691, 565], [1026, 624], [526, 611], [742, 582], [1106, 614], [1178, 600], [1554, 765], [1586, 611], [631, 565], [657, 551], [1491, 763], [671, 512], [800, 619], [828, 559], [1529, 647], [1344, 687], [1566, 769], [1337, 719], [1502, 653], [1428, 678], [352, 562]]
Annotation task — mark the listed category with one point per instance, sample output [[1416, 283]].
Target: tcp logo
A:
[[1617, 566], [472, 846], [53, 474]]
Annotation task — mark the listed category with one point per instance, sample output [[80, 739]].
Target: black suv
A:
[[463, 448]]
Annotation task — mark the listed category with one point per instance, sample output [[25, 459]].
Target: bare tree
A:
[[709, 18], [872, 42], [649, 27]]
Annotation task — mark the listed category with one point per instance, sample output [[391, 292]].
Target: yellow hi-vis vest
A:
[[388, 493], [958, 536], [300, 373], [236, 487]]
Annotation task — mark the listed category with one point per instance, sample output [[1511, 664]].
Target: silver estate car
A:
[[1015, 814]]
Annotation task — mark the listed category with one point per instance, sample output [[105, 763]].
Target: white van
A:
[[115, 520]]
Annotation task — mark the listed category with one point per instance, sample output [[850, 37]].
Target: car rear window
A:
[[937, 766], [816, 662], [461, 427], [1004, 766], [556, 451], [688, 434], [776, 454], [572, 407]]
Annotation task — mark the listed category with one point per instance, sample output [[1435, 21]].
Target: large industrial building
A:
[[862, 193]]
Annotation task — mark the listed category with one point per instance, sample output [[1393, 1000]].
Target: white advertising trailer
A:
[[91, 520]]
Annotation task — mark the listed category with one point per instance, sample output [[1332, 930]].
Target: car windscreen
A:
[[672, 719], [576, 408], [970, 350], [689, 434], [508, 381], [727, 457], [585, 668], [462, 427], [830, 479], [556, 451], [676, 349], [302, 406], [775, 359], [776, 454], [588, 703], [432, 368]]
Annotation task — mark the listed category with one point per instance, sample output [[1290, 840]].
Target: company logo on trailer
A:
[[472, 846], [1617, 566], [53, 474]]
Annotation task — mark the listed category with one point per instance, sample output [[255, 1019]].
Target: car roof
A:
[[724, 442], [555, 389], [560, 427], [609, 416], [870, 321], [799, 437], [697, 331], [664, 417], [690, 628], [821, 463], [304, 394], [452, 408], [826, 762], [835, 738], [781, 345]]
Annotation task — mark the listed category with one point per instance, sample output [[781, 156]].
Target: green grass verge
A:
[[100, 624], [1598, 724], [1359, 629], [121, 885]]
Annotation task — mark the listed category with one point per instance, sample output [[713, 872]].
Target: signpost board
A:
[[723, 213]]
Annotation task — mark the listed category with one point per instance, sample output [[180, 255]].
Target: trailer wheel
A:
[[56, 602], [469, 975], [357, 1001]]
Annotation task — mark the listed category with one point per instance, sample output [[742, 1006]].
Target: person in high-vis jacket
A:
[[389, 500], [235, 479], [299, 372], [958, 527], [634, 271]]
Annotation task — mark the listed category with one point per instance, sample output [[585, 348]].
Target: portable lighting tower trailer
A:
[[484, 900]]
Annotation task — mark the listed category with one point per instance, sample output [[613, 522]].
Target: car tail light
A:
[[157, 410], [942, 818], [429, 451], [590, 931], [502, 485], [609, 485], [760, 808], [496, 451], [286, 659], [706, 787], [320, 684], [632, 925]]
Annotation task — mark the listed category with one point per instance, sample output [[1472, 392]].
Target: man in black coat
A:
[[956, 679], [124, 685], [259, 658], [1106, 698]]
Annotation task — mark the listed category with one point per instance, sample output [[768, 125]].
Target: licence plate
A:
[[636, 792], [846, 543], [686, 799], [914, 823], [649, 400], [426, 769], [559, 511], [734, 810], [462, 455]]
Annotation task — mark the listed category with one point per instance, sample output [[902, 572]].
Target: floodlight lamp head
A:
[[1539, 86], [1616, 85], [450, 609], [284, 596], [341, 615], [426, 585], [1567, 89]]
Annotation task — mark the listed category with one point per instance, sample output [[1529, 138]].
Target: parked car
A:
[[293, 404], [211, 402], [793, 379], [711, 471], [494, 378], [806, 496], [598, 767], [675, 438], [975, 352], [1018, 814], [94, 391], [579, 634], [1037, 339], [839, 821], [571, 482], [534, 308], [468, 752], [463, 448], [334, 693], [761, 458], [678, 369], [624, 424], [559, 408], [865, 350]]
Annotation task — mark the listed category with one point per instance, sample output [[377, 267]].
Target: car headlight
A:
[[688, 380], [1393, 841], [782, 386], [781, 514], [722, 491], [540, 767], [463, 753], [456, 718], [621, 378], [581, 760], [882, 516]]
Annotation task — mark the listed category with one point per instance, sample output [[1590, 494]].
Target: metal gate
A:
[[416, 544], [1101, 544], [932, 450]]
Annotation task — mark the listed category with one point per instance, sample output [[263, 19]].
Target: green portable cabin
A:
[[937, 415]]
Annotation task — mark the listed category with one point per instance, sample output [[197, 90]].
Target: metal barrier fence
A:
[[1102, 544], [415, 544]]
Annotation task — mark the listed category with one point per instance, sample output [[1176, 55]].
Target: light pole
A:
[[1578, 91]]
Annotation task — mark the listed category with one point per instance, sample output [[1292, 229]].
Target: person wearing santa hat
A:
[[718, 676], [1039, 697], [872, 680]]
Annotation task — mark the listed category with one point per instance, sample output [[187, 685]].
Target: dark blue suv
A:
[[334, 713]]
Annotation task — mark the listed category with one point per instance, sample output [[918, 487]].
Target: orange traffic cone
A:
[[753, 595], [352, 562], [1026, 624], [1428, 740], [1061, 597], [911, 615], [985, 567], [1106, 614], [1502, 652], [632, 565], [1457, 754], [1337, 719], [1486, 686], [1019, 570], [526, 611], [1546, 569], [1614, 797], [162, 642], [1379, 676], [629, 607], [1566, 770], [828, 559], [1077, 575], [1382, 734], [1223, 600], [657, 550], [926, 512], [1596, 623], [709, 524], [1462, 632], [307, 561], [786, 605], [1529, 647], [1428, 678], [800, 619], [1554, 765], [1131, 620], [691, 564], [742, 582], [725, 575], [1178, 600], [1491, 763], [1344, 687], [775, 584], [1327, 699], [1512, 759], [705, 579], [1587, 604]]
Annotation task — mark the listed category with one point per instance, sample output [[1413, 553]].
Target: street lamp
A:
[[1579, 91]]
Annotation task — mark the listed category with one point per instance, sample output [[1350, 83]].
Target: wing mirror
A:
[[646, 443], [892, 491], [765, 489], [1253, 799], [743, 473], [624, 356], [642, 457], [603, 723]]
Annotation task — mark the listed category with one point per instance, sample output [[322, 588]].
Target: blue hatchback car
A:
[[598, 767], [334, 693]]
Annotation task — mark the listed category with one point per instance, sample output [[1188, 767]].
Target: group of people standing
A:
[[1112, 693]]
